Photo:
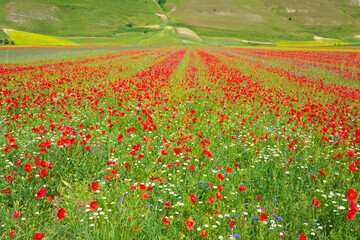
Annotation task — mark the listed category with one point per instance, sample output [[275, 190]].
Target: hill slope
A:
[[204, 21], [269, 19], [85, 17]]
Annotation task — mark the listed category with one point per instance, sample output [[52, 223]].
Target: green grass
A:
[[224, 41], [122, 39], [166, 37]]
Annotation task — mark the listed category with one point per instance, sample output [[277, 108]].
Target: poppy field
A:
[[182, 143]]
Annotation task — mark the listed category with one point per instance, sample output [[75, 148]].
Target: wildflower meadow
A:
[[181, 143]]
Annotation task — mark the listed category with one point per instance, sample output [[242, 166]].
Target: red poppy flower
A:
[[351, 154], [352, 194], [43, 173], [28, 167], [302, 237], [93, 206], [354, 206], [351, 215], [211, 200], [94, 186], [12, 233], [41, 193], [144, 195], [168, 205], [50, 165], [263, 217], [232, 223], [316, 202], [218, 195], [61, 213], [322, 173], [221, 177], [192, 167], [203, 233], [16, 214], [132, 129], [39, 236], [217, 211], [166, 221], [177, 151], [190, 224], [18, 162], [193, 198], [242, 188], [352, 167]]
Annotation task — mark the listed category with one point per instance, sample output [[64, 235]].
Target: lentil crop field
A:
[[181, 143]]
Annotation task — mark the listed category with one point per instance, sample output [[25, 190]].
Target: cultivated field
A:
[[180, 143]]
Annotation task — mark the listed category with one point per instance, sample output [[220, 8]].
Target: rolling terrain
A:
[[186, 22]]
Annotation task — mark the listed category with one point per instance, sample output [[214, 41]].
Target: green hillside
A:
[[77, 18], [186, 22], [268, 19]]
